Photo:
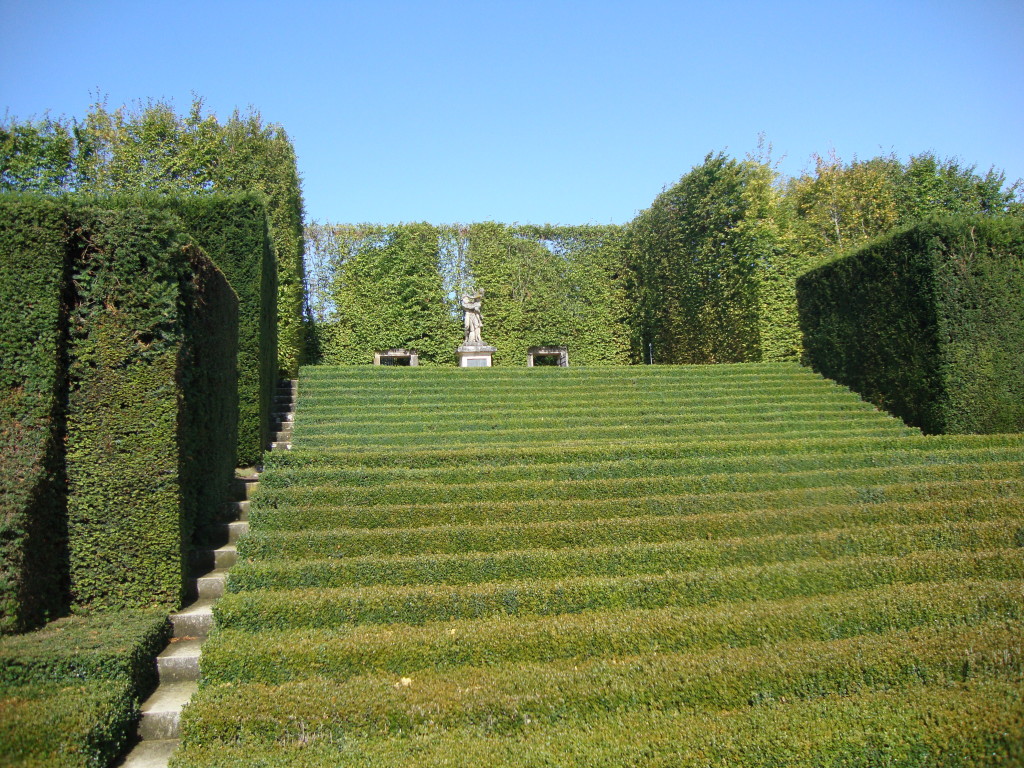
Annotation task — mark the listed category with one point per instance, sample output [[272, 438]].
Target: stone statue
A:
[[472, 323]]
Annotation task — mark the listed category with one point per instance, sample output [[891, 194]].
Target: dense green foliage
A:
[[386, 292], [119, 645], [33, 281], [151, 147], [575, 566], [551, 286], [120, 402], [697, 254], [233, 231], [142, 314], [927, 323], [66, 724], [707, 274], [69, 693], [379, 287]]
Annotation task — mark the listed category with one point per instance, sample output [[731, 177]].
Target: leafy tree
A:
[[384, 291], [152, 147], [697, 255]]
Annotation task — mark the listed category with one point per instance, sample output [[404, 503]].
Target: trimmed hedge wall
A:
[[233, 230], [927, 322], [69, 693], [136, 412], [552, 286], [33, 279]]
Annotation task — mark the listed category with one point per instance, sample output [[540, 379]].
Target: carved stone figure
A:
[[472, 322]]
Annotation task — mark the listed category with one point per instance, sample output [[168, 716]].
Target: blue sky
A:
[[562, 112]]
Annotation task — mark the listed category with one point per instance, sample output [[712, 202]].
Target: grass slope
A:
[[717, 565]]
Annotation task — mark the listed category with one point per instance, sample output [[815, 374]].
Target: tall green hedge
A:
[[233, 230], [696, 256], [927, 322], [33, 281], [387, 292], [551, 286], [138, 411]]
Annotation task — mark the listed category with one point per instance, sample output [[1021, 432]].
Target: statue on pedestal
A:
[[472, 322]]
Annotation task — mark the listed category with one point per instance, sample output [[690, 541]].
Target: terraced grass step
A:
[[307, 543], [283, 514], [279, 656], [858, 729], [426, 454], [597, 404], [644, 558], [622, 468], [508, 697], [266, 609], [812, 421], [408, 463], [767, 476]]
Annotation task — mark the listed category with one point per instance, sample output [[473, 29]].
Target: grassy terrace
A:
[[717, 565]]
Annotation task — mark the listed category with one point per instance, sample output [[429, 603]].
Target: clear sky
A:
[[554, 111]]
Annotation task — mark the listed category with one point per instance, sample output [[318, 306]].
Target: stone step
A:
[[243, 487], [211, 584], [282, 446], [195, 620], [236, 529], [150, 754], [179, 661], [161, 712], [206, 560], [239, 509]]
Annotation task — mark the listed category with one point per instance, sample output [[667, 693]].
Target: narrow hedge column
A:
[[125, 513], [33, 568]]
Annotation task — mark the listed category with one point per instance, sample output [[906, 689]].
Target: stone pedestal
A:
[[475, 355]]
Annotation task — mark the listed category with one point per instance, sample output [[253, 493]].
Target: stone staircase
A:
[[178, 663]]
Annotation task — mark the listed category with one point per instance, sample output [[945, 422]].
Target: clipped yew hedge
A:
[[119, 402], [70, 692], [233, 231], [927, 322], [33, 282], [67, 724], [133, 425]]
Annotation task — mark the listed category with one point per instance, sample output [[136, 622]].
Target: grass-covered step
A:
[[507, 698], [65, 724], [531, 411], [643, 558], [708, 464], [282, 655], [977, 722], [330, 607], [426, 455], [765, 475], [811, 423], [307, 543], [410, 464], [288, 516]]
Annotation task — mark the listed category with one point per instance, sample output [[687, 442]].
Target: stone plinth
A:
[[397, 357], [550, 356], [475, 355]]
